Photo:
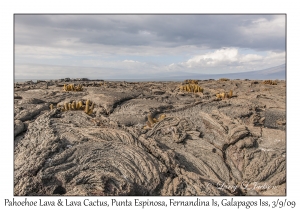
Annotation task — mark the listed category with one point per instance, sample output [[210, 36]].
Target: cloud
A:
[[222, 60], [130, 61], [211, 31], [250, 58], [149, 43], [262, 28], [219, 57], [41, 71], [100, 70], [222, 57], [225, 60]]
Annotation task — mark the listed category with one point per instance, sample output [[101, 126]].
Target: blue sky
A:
[[136, 46]]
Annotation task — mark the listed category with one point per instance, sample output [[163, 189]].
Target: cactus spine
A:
[[80, 105], [149, 124], [86, 110], [66, 106], [230, 93], [161, 117], [150, 119], [91, 110]]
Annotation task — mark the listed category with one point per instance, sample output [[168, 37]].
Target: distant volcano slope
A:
[[277, 72]]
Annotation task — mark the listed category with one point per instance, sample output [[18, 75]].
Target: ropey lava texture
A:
[[203, 145]]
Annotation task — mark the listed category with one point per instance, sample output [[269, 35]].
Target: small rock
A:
[[31, 101], [17, 97], [18, 127], [281, 122], [158, 92]]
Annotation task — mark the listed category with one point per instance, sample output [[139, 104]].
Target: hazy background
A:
[[147, 46]]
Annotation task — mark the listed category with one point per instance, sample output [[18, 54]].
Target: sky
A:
[[141, 46]]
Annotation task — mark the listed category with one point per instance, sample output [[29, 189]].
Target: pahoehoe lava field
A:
[[102, 138]]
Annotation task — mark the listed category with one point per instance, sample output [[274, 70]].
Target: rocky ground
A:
[[202, 146]]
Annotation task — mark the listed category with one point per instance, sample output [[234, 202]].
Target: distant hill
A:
[[277, 72]]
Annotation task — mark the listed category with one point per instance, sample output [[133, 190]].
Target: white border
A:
[[8, 8]]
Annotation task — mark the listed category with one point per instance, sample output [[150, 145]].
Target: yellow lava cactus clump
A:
[[224, 79], [269, 82], [224, 95], [76, 106], [193, 88], [72, 87], [151, 121], [88, 110]]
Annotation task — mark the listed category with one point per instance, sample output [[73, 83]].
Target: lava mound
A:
[[150, 138]]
